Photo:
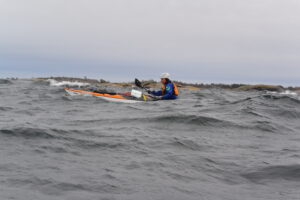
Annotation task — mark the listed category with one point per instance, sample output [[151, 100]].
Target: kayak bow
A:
[[122, 97]]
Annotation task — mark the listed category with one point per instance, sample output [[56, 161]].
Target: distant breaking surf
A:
[[66, 83]]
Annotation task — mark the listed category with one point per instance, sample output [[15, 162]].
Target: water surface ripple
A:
[[209, 144]]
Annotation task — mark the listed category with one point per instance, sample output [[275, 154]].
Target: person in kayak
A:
[[168, 90]]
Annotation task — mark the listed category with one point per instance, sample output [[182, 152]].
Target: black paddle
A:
[[139, 84]]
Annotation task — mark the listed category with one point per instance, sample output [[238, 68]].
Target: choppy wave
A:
[[190, 119], [179, 120], [4, 108], [55, 146], [280, 172], [187, 144], [27, 133], [52, 187], [294, 96], [293, 99]]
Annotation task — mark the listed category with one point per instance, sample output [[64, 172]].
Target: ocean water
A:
[[209, 144]]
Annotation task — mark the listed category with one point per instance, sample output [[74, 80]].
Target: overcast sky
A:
[[229, 41]]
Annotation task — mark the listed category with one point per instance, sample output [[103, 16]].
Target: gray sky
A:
[[229, 41]]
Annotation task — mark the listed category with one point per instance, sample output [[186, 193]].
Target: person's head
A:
[[165, 78]]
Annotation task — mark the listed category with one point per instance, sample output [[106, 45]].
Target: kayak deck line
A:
[[97, 93], [120, 98]]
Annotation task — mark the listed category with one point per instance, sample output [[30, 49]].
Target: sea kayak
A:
[[129, 97]]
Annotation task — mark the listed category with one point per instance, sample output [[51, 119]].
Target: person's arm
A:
[[169, 92], [156, 93]]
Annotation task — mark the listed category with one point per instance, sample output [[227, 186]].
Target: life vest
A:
[[175, 89]]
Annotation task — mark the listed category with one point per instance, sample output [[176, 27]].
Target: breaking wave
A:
[[286, 92], [66, 83]]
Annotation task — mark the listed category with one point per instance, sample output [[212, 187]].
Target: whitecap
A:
[[286, 92], [66, 83]]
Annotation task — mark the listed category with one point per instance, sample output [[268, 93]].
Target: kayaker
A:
[[168, 90]]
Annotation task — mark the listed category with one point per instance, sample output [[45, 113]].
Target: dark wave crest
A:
[[248, 99], [52, 187], [186, 144], [280, 172], [3, 108], [185, 119], [283, 98], [5, 81], [28, 133]]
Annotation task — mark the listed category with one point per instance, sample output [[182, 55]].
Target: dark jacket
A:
[[169, 92]]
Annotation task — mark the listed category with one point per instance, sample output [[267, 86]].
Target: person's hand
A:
[[159, 98]]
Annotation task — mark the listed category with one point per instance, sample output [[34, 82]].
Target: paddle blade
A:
[[138, 83]]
